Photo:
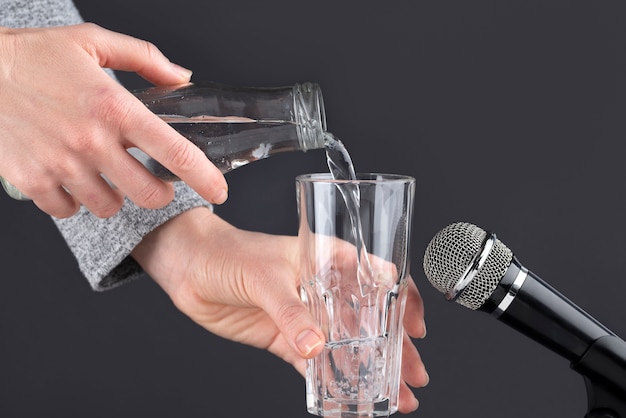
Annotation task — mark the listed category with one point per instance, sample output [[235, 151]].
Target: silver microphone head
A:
[[466, 263]]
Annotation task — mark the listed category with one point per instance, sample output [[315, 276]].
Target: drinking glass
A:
[[354, 244]]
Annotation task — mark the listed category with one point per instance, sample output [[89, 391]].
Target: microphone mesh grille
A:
[[452, 250]]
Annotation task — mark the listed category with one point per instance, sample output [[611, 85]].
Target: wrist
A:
[[169, 253]]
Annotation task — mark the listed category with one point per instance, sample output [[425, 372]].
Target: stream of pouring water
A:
[[341, 168]]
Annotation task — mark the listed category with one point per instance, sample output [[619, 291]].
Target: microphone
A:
[[475, 269]]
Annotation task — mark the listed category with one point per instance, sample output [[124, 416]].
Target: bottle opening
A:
[[310, 115]]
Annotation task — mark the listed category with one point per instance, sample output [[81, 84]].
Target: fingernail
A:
[[307, 341], [181, 71], [424, 325], [221, 196]]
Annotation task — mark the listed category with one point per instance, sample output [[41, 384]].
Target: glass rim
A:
[[368, 177]]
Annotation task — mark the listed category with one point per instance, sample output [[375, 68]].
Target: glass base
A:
[[334, 409]]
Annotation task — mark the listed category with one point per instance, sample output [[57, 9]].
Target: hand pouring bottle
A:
[[233, 126]]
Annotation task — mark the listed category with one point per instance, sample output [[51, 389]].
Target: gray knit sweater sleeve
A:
[[101, 246]]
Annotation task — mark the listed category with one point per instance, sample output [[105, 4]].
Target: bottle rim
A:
[[310, 115]]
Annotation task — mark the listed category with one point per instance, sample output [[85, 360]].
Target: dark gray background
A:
[[510, 114]]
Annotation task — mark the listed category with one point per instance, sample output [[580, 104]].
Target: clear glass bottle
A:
[[233, 126]]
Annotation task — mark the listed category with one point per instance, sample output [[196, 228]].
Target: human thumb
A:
[[295, 323]]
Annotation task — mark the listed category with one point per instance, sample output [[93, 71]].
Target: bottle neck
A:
[[310, 115]]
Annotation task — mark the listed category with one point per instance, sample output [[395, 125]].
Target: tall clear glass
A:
[[354, 240]]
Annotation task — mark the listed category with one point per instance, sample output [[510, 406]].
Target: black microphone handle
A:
[[540, 312]]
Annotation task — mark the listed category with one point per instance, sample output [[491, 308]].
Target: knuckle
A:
[[84, 33], [216, 181], [151, 50], [89, 26], [182, 156], [81, 148], [65, 211], [81, 145], [108, 209], [151, 196], [288, 314], [57, 203], [33, 185], [112, 109], [70, 170], [185, 297], [256, 286]]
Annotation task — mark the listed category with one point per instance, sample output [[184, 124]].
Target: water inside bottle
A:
[[229, 142]]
